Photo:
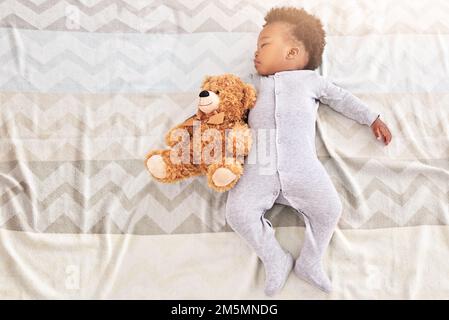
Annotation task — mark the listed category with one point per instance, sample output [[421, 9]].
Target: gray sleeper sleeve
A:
[[345, 103]]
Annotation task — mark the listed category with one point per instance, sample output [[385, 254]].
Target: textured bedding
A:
[[88, 87]]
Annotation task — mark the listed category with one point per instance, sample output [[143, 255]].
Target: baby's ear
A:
[[249, 96]]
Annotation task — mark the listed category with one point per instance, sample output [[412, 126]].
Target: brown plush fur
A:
[[236, 97]]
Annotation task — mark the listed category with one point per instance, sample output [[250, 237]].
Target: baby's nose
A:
[[204, 93]]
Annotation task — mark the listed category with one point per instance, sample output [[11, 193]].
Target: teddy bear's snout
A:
[[208, 101]]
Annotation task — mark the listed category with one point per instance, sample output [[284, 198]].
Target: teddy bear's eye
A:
[[217, 92]]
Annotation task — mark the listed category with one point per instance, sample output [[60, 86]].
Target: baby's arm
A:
[[344, 102], [352, 107]]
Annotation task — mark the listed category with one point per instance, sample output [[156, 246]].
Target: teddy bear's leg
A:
[[162, 169], [223, 176], [156, 165]]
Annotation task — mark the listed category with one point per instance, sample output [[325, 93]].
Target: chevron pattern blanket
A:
[[88, 87]]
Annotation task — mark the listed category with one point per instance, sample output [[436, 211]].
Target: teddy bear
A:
[[212, 142]]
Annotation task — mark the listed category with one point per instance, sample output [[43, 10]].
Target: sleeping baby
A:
[[289, 49]]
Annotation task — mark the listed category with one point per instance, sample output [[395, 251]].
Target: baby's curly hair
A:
[[305, 28]]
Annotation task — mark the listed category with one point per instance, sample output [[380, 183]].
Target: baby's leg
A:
[[244, 213], [320, 220]]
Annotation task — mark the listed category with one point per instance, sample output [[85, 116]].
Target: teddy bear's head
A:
[[226, 93]]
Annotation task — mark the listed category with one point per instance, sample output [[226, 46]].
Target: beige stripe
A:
[[126, 126], [397, 263]]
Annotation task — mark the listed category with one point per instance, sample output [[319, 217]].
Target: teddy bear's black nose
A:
[[204, 93]]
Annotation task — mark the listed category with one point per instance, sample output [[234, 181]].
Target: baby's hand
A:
[[381, 131]]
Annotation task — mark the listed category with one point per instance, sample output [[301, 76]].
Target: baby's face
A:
[[273, 46]]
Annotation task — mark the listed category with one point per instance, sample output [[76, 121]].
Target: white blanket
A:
[[86, 89]]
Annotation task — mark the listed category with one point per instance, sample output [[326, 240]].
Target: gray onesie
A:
[[283, 167]]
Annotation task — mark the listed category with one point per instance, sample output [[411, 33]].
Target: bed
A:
[[88, 87]]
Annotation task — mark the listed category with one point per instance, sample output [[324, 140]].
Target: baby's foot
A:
[[275, 277], [314, 275]]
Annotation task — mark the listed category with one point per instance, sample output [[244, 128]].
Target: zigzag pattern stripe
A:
[[218, 16], [125, 192], [67, 67], [86, 115]]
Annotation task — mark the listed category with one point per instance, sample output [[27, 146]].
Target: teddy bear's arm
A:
[[172, 139], [239, 140]]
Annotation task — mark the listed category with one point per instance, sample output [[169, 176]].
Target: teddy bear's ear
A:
[[205, 81], [249, 96]]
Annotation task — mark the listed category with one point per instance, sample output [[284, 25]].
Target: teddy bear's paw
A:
[[157, 166], [223, 176], [239, 141]]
